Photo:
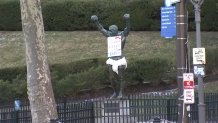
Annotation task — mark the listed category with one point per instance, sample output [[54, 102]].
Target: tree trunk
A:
[[40, 92]]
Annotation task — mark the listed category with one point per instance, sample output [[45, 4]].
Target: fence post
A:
[[65, 108], [17, 116], [169, 118], [92, 112]]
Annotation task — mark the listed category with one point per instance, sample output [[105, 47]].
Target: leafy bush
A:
[[211, 61], [93, 78], [209, 15], [68, 15], [68, 79], [13, 89], [149, 70], [10, 74], [10, 17]]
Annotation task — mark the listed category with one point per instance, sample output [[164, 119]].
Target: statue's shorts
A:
[[116, 63]]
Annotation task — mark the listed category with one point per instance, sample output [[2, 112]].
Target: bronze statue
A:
[[116, 60]]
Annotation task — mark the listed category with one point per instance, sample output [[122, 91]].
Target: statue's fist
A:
[[94, 18], [126, 16]]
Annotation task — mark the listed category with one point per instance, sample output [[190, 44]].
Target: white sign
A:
[[167, 2], [114, 46], [189, 96], [199, 70], [170, 2], [174, 1], [188, 77], [199, 56]]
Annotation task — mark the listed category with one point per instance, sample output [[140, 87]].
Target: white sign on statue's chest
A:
[[114, 46]]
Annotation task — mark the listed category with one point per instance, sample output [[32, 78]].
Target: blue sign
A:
[[168, 21]]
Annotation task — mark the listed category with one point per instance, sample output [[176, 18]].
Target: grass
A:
[[66, 47]]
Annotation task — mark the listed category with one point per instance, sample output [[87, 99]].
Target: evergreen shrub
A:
[[10, 17], [69, 15], [69, 79], [211, 61]]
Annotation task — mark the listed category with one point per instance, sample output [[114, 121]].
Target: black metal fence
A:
[[143, 108]]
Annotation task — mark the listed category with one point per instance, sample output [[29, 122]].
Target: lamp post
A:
[[201, 106], [181, 30]]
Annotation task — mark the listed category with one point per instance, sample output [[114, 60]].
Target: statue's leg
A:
[[121, 83], [114, 82]]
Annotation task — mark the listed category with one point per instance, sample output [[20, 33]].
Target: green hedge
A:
[[10, 18], [68, 15], [211, 62], [68, 79]]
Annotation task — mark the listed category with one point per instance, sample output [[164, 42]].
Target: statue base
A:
[[113, 111]]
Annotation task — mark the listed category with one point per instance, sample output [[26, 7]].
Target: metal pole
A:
[[181, 29], [17, 116], [65, 109], [201, 106]]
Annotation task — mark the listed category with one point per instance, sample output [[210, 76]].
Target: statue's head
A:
[[113, 30]]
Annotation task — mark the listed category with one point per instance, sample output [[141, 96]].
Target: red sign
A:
[[188, 84]]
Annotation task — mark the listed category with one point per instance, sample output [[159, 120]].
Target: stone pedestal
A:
[[113, 111]]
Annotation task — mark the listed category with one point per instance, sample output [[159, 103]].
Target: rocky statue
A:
[[116, 61]]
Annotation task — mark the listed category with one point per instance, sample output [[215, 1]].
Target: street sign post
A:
[[199, 62], [168, 21]]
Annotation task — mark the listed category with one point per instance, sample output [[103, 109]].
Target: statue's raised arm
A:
[[94, 18], [126, 17]]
